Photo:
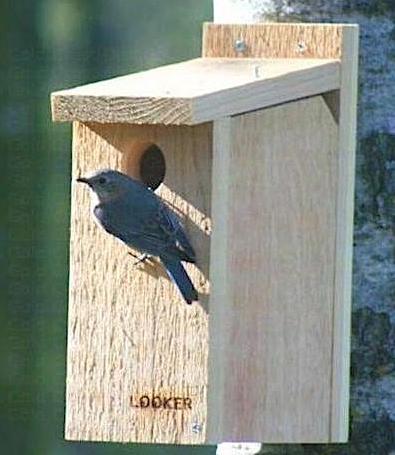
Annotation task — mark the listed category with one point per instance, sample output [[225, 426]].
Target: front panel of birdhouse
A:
[[137, 354]]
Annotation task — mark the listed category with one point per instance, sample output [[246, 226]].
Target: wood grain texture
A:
[[281, 249], [275, 40], [344, 233], [272, 295], [320, 41], [196, 91], [130, 334]]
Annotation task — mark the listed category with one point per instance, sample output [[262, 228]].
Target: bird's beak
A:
[[83, 180]]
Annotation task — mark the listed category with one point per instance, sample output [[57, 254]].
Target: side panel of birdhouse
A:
[[275, 40], [137, 353], [272, 310]]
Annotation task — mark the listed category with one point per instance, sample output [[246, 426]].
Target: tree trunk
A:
[[373, 335]]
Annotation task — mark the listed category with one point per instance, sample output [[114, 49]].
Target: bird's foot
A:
[[140, 259]]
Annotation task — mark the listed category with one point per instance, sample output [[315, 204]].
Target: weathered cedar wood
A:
[[280, 257], [273, 293], [275, 40], [130, 333], [196, 91], [282, 41], [344, 234]]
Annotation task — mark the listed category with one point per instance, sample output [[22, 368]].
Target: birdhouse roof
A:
[[196, 91]]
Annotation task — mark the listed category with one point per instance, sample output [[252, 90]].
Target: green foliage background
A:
[[47, 45]]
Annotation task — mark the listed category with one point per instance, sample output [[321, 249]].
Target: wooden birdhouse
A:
[[253, 146]]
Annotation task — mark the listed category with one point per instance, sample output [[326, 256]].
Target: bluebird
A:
[[132, 212]]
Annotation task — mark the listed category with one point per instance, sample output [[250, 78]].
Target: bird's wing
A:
[[164, 234], [167, 229], [180, 237], [159, 233], [141, 235]]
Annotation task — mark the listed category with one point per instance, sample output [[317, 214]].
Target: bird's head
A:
[[107, 184]]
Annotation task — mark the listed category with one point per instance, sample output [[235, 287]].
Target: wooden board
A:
[[344, 233], [272, 275], [130, 334], [320, 41], [196, 91], [275, 40]]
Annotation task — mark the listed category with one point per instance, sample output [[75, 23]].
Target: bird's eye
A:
[[102, 180]]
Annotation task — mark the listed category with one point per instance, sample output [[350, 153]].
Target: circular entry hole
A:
[[152, 166]]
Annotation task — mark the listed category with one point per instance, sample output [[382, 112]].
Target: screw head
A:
[[240, 45], [196, 427], [301, 47]]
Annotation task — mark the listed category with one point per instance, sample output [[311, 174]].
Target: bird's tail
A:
[[181, 279]]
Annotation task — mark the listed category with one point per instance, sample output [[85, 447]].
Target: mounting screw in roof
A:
[[240, 45]]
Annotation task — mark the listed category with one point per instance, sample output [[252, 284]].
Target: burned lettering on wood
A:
[[161, 402]]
